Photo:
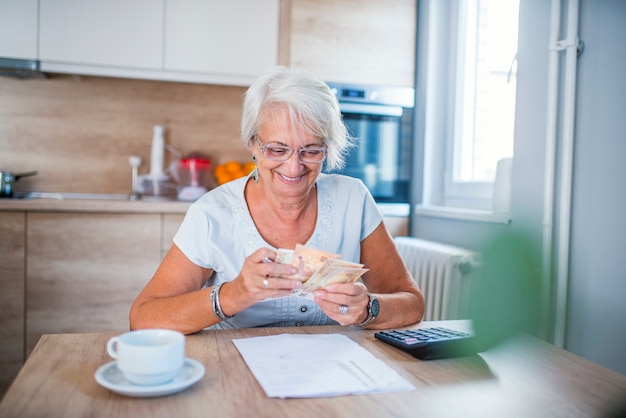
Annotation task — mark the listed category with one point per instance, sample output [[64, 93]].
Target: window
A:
[[477, 112]]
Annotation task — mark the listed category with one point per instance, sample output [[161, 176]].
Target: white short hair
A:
[[311, 105]]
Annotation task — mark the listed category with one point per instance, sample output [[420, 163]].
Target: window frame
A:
[[441, 146]]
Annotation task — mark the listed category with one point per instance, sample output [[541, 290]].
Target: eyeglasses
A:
[[308, 155]]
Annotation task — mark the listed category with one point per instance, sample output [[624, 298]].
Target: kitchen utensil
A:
[[192, 174], [160, 189], [135, 162], [7, 179]]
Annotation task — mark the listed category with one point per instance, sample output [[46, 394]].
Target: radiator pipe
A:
[[567, 161], [548, 188], [570, 46]]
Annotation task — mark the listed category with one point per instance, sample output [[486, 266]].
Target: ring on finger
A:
[[266, 283], [343, 309]]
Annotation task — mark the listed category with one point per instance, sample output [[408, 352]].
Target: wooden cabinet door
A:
[[117, 33], [358, 41], [12, 253], [85, 270], [236, 37], [18, 29], [171, 223]]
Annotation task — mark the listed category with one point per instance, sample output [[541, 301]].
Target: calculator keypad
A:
[[428, 343]]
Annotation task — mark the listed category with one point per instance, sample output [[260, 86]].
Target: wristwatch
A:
[[373, 308]]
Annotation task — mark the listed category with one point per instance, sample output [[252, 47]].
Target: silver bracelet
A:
[[215, 302]]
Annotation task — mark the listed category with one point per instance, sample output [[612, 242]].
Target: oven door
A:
[[382, 155]]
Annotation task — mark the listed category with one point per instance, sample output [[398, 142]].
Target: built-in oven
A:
[[381, 121]]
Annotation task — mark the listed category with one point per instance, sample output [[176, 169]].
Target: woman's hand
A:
[[260, 278], [346, 303]]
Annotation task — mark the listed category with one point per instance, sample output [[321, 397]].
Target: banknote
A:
[[317, 269], [308, 261], [284, 256], [334, 273]]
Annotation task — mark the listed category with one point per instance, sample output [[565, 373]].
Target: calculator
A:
[[430, 343]]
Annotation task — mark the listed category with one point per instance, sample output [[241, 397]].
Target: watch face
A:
[[375, 307]]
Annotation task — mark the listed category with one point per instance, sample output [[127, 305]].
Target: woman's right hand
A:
[[260, 278]]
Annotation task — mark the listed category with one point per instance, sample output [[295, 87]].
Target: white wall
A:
[[597, 280]]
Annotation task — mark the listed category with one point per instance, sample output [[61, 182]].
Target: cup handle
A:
[[112, 347]]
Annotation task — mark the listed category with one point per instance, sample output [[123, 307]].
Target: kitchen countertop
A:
[[94, 205], [117, 203]]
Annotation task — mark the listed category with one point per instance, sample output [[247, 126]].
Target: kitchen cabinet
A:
[[358, 41], [222, 37], [18, 29], [215, 41], [12, 303], [85, 269], [171, 222], [115, 33], [207, 41]]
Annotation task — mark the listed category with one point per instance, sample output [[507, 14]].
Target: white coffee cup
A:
[[148, 356]]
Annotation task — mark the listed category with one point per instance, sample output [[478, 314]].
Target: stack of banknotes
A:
[[317, 268]]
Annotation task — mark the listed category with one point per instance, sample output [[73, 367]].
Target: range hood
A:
[[20, 68]]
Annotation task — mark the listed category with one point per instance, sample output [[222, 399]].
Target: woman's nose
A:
[[294, 163]]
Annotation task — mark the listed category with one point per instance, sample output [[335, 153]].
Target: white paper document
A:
[[316, 365]]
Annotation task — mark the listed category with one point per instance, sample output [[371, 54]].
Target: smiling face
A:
[[289, 179]]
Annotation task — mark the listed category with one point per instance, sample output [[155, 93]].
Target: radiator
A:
[[442, 272]]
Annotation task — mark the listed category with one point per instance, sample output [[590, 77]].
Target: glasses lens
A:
[[277, 152], [312, 155], [283, 153]]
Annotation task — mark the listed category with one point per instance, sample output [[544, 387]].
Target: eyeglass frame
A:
[[290, 151]]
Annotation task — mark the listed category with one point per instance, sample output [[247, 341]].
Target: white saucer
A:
[[112, 378]]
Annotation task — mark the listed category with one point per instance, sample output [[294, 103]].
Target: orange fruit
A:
[[219, 170], [223, 177], [248, 167], [232, 166], [232, 170], [237, 174]]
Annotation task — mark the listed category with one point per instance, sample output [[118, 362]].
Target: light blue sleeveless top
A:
[[218, 233]]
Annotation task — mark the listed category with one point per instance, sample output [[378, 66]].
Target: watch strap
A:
[[370, 316]]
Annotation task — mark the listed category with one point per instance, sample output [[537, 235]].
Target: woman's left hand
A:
[[346, 303]]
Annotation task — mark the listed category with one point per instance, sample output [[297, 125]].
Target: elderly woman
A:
[[221, 272]]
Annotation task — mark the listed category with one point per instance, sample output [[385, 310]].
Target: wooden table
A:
[[522, 377]]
